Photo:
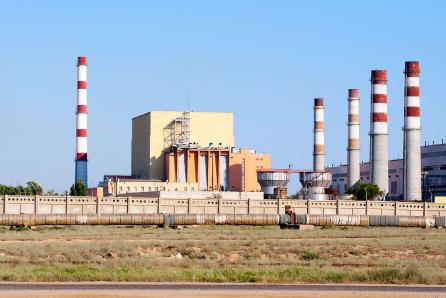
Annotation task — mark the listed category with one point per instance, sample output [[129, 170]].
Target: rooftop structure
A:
[[154, 133]]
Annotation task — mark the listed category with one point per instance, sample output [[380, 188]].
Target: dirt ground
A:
[[215, 294], [223, 254]]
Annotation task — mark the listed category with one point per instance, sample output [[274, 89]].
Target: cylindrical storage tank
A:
[[270, 179], [314, 184]]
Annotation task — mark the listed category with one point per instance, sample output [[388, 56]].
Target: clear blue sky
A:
[[264, 61]]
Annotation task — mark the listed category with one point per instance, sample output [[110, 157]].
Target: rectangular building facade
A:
[[213, 169], [123, 186], [433, 162], [155, 132]]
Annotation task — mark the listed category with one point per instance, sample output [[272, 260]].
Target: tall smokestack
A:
[[412, 154], [318, 150], [353, 171], [379, 161], [81, 122]]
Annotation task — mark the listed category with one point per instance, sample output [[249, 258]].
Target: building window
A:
[[156, 188], [185, 189], [128, 188], [393, 187], [163, 188], [120, 188], [149, 189], [142, 188], [192, 188]]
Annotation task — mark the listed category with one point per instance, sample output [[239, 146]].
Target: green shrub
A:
[[310, 255]]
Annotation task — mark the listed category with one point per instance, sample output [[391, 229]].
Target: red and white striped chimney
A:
[[319, 147], [412, 127], [379, 161], [353, 159], [81, 122]]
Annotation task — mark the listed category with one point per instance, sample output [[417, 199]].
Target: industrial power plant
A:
[[186, 163], [184, 152]]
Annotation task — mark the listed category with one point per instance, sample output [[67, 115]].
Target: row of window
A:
[[436, 167], [143, 189], [362, 178], [391, 171], [433, 154]]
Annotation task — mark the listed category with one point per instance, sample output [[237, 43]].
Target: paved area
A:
[[105, 289]]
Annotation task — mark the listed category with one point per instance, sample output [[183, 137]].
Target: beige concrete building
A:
[[154, 132], [118, 187]]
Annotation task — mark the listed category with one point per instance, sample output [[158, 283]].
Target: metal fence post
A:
[[308, 207]]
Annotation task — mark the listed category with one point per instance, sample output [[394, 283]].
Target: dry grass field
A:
[[223, 254]]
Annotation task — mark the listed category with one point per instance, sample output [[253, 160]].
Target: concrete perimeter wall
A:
[[145, 205]]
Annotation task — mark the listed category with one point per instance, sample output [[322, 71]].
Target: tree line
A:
[[32, 188]]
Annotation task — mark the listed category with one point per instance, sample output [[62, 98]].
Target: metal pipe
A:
[[221, 219]]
